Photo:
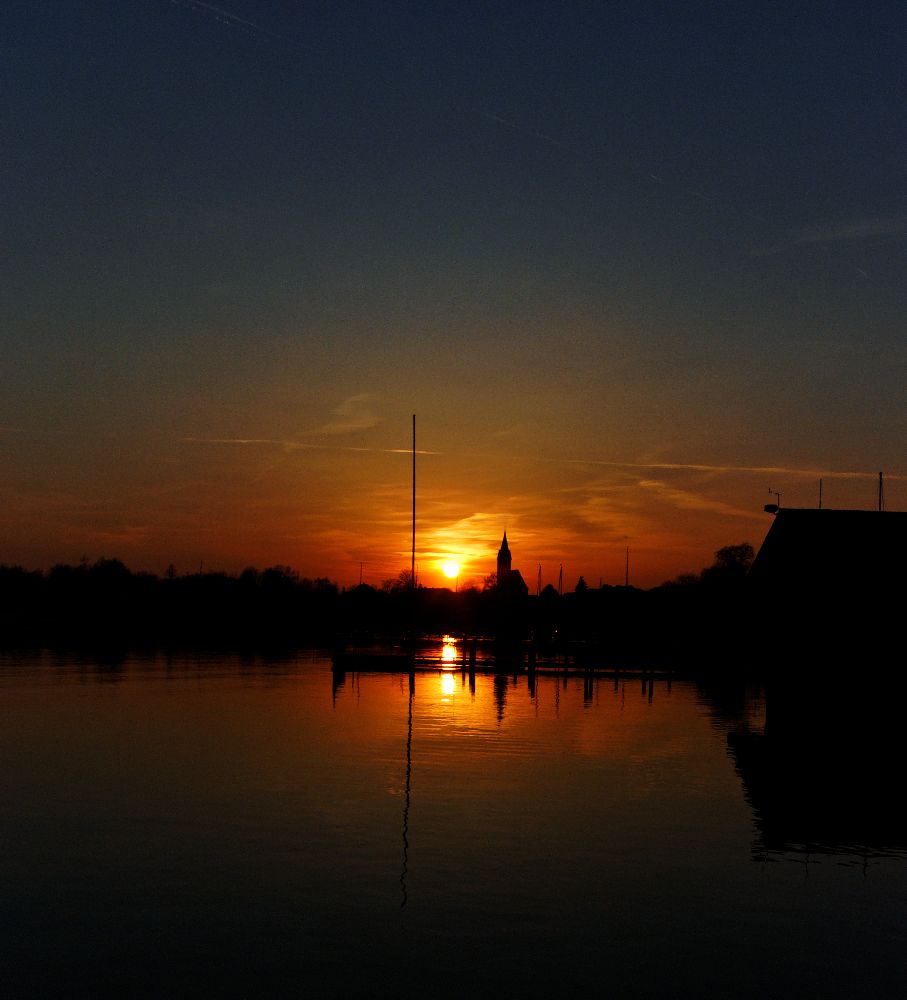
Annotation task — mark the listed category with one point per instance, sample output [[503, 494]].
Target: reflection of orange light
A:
[[448, 683], [448, 650]]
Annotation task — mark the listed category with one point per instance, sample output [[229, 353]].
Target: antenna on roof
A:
[[820, 494], [881, 493], [773, 508]]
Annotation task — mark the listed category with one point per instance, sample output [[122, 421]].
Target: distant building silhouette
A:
[[509, 581]]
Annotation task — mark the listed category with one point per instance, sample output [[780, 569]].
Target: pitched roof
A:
[[823, 549]]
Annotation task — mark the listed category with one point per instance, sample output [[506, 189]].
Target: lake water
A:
[[218, 826]]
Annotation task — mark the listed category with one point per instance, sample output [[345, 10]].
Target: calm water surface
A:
[[225, 827]]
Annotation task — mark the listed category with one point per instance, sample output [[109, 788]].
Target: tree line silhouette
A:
[[105, 603]]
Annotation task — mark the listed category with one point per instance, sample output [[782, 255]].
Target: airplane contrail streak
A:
[[761, 470]]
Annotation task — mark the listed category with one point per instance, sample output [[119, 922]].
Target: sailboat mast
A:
[[412, 571]]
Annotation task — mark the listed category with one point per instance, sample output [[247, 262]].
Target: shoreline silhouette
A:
[[824, 583]]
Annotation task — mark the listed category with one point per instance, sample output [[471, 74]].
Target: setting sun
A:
[[450, 569]]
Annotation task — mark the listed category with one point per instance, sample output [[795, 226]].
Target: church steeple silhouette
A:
[[510, 581], [504, 560]]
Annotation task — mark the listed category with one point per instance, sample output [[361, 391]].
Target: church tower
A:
[[503, 560]]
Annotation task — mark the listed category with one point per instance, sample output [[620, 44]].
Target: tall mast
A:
[[412, 570]]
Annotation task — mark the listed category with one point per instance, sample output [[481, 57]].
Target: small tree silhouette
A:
[[730, 565]]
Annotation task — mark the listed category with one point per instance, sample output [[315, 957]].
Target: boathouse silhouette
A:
[[831, 580], [828, 589]]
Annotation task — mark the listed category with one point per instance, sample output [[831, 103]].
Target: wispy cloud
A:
[[841, 233], [123, 537], [851, 232], [476, 529], [688, 500], [355, 413], [509, 432]]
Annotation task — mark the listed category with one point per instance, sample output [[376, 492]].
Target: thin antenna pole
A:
[[412, 569], [538, 584], [627, 569], [820, 494], [881, 494]]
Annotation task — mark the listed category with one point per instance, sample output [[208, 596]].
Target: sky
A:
[[633, 266]]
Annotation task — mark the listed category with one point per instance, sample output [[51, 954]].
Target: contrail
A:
[[769, 470], [306, 445], [229, 18], [234, 20], [760, 470], [222, 15], [497, 119]]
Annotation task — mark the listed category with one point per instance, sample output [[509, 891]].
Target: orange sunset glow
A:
[[614, 337], [337, 510], [454, 499]]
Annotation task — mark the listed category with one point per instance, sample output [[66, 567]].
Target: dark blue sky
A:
[[669, 238]]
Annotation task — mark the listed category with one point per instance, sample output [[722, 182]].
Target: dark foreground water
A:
[[225, 827]]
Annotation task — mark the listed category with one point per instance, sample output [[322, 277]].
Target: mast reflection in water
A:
[[232, 827], [406, 794]]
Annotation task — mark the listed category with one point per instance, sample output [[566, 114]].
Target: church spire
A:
[[504, 559]]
